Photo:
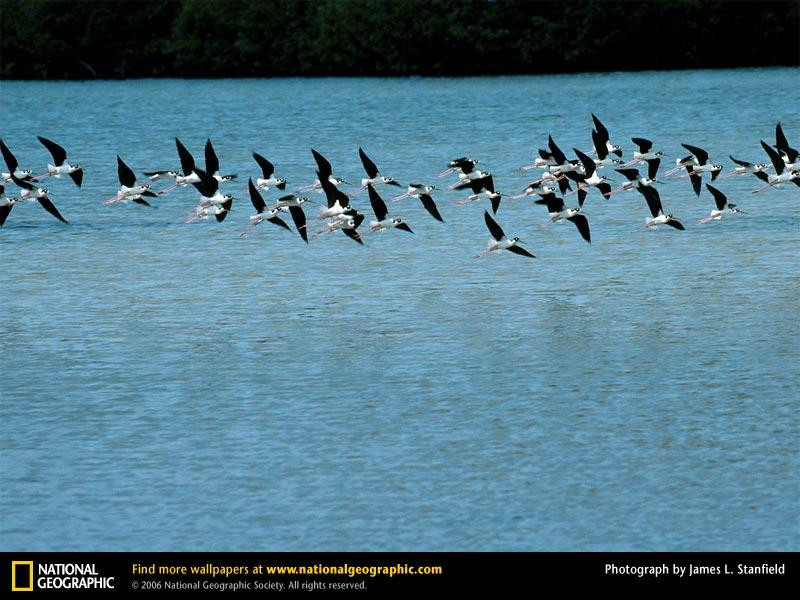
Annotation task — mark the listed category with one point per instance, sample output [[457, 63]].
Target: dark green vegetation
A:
[[57, 39]]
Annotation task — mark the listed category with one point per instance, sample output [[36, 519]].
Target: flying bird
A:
[[500, 241]]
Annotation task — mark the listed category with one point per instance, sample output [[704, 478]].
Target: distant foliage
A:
[[65, 39]]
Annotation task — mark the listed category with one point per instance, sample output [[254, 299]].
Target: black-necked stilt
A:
[[559, 212], [645, 151], [262, 213], [324, 170], [347, 223], [695, 171], [373, 174], [743, 167], [188, 167], [783, 174], [466, 165], [60, 166], [589, 178], [659, 218], [268, 174], [635, 181], [723, 207], [28, 191], [500, 241], [601, 139], [381, 214], [13, 165], [415, 189], [128, 188]]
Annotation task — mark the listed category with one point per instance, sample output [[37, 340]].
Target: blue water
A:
[[177, 387]]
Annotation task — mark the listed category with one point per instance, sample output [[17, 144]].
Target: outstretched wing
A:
[[125, 174], [324, 169], [255, 197], [430, 206], [369, 166], [520, 250], [494, 228], [720, 198], [212, 162], [267, 168], [59, 154], [378, 205], [187, 160]]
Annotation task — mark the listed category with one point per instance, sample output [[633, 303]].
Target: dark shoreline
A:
[[58, 40]]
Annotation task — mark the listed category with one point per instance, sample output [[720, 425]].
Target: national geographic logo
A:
[[57, 576], [21, 575]]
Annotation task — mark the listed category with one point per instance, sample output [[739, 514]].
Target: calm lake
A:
[[179, 387]]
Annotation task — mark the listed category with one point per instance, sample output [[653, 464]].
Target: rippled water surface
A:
[[177, 387]]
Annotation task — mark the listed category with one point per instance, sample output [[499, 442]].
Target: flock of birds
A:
[[558, 174]]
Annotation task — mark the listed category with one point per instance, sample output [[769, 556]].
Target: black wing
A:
[[323, 166], [267, 168], [762, 176], [280, 222], [675, 223], [378, 205], [125, 173], [520, 250], [581, 196], [563, 185], [50, 207], [494, 228], [741, 163], [404, 227], [430, 206], [8, 156], [4, 211], [208, 185], [652, 167], [719, 197], [212, 162], [187, 160], [545, 154], [644, 144], [588, 164], [605, 189], [599, 145], [781, 143], [77, 177], [700, 154], [299, 218], [696, 179], [601, 129], [582, 223], [353, 235], [59, 154], [629, 174], [369, 166], [255, 197], [553, 203], [653, 200], [558, 155], [777, 161], [496, 203]]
